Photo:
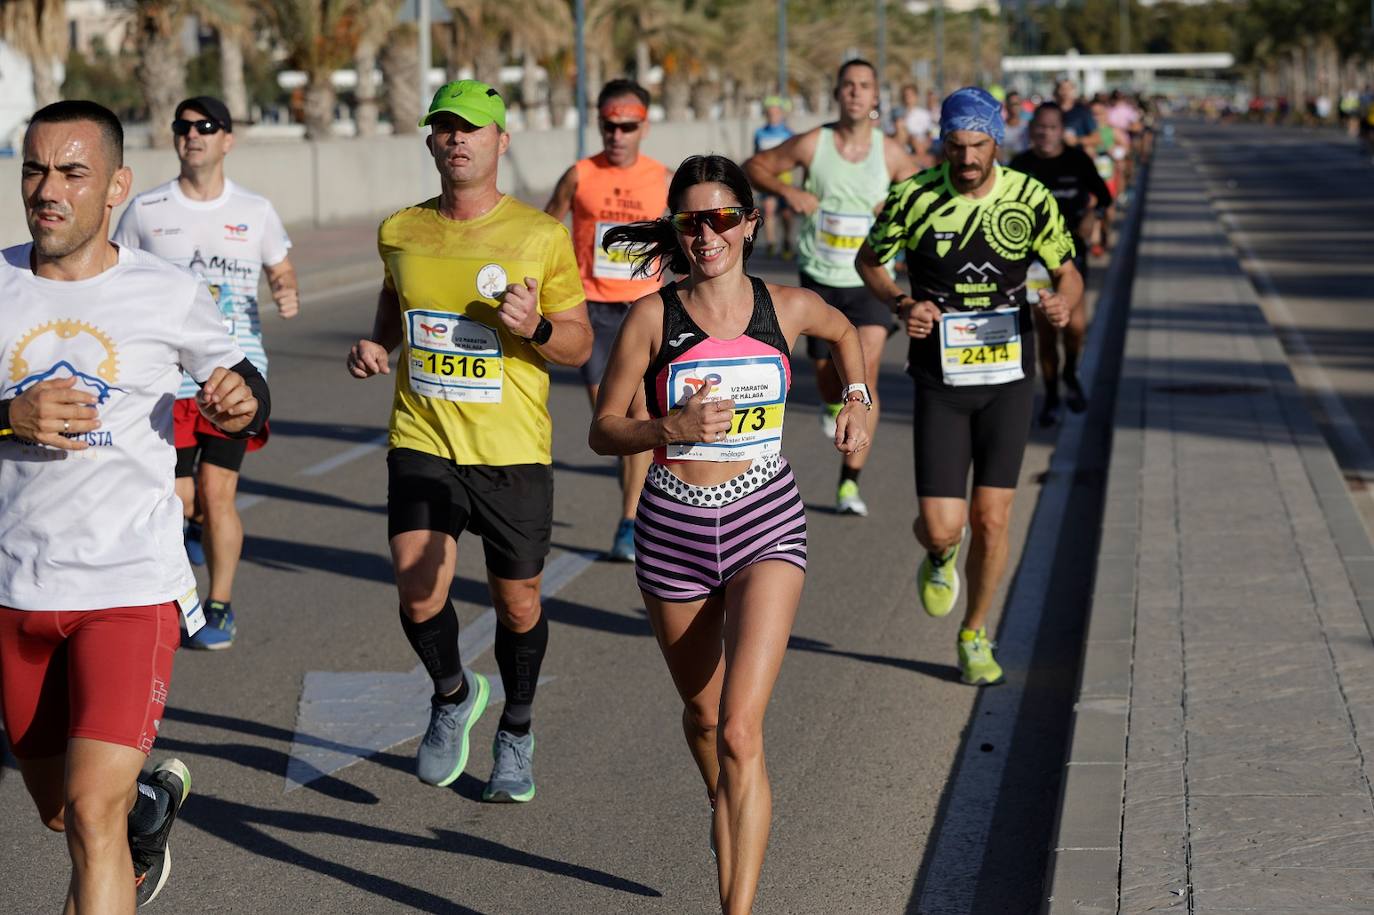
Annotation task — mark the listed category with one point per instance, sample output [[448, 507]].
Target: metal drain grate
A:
[[1203, 389]]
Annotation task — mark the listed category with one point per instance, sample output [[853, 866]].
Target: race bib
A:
[[981, 347], [453, 357], [839, 236], [614, 264], [1037, 281], [191, 613], [757, 385]]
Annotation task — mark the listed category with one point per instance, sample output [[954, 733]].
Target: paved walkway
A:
[[1220, 759]]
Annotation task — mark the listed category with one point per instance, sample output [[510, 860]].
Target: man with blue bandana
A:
[[971, 230]]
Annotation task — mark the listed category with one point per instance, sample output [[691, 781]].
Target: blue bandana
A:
[[971, 108]]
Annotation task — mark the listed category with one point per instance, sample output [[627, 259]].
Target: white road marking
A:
[[343, 718]]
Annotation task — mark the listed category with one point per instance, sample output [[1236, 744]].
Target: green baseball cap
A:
[[472, 100]]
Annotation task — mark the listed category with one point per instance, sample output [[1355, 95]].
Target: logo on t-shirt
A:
[[236, 233], [1008, 226], [69, 349]]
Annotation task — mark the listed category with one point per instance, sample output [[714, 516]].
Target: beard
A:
[[62, 240]]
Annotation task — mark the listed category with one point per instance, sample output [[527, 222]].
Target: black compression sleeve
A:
[[258, 385]]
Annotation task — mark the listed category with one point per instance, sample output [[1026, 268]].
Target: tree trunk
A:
[[161, 72], [231, 74], [487, 64], [677, 93], [400, 63], [643, 62], [531, 100], [560, 98], [365, 65], [319, 106], [45, 87], [704, 96]]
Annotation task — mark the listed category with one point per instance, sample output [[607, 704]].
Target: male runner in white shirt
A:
[[93, 341], [227, 235]]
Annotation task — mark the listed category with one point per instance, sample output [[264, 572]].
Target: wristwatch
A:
[[865, 397], [542, 332], [5, 427], [897, 301]]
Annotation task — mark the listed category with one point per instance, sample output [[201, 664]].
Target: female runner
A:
[[720, 536]]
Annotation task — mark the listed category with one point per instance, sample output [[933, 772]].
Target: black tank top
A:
[[681, 334]]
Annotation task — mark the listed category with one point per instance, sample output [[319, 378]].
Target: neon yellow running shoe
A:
[[977, 666], [938, 582]]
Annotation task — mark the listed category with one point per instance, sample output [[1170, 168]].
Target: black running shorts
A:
[[985, 425], [510, 508], [227, 453], [856, 303]]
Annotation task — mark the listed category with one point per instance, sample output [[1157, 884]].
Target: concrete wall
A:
[[313, 184]]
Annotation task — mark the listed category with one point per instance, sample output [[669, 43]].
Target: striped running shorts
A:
[[691, 540]]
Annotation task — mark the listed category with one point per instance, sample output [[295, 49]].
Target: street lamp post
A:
[[782, 48], [940, 47], [882, 46]]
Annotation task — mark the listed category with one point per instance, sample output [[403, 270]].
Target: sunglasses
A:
[[624, 127], [181, 127], [720, 221]]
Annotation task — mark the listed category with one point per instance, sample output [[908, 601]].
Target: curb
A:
[[1085, 857]]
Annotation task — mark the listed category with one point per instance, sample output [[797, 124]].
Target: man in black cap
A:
[[227, 235]]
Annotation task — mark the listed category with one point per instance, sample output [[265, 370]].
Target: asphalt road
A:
[[865, 730], [1299, 206]]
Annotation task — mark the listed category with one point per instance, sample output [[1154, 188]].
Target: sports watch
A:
[[542, 332], [865, 397]]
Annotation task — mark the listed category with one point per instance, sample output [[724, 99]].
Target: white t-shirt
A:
[[86, 530], [918, 122], [225, 241]]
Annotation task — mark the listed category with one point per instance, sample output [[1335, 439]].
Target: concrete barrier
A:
[[314, 184]]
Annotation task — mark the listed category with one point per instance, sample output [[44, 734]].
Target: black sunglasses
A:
[[181, 127], [622, 127], [721, 220]]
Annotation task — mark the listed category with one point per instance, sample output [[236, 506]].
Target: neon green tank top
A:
[[849, 192]]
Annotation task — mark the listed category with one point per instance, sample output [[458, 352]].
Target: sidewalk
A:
[[1226, 704]]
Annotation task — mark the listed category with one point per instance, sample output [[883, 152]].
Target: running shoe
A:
[[977, 666], [848, 502], [1074, 398], [938, 582], [195, 550], [151, 854], [828, 413], [623, 546], [512, 776], [218, 632], [443, 752]]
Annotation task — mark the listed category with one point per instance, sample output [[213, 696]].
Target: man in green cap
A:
[[480, 292]]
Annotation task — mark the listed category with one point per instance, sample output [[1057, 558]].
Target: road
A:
[[1299, 206], [865, 730]]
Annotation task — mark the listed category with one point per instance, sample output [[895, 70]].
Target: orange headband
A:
[[624, 111]]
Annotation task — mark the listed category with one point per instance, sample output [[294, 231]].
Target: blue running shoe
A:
[[623, 547], [195, 551], [512, 775], [443, 752], [218, 631]]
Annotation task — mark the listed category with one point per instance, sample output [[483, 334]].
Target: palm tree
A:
[[319, 37], [37, 29], [161, 69], [376, 22], [400, 63], [538, 31], [233, 22]]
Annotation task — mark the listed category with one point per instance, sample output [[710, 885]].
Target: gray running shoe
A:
[[444, 750], [512, 777]]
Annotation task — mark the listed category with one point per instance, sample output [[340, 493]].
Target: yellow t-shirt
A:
[[467, 389]]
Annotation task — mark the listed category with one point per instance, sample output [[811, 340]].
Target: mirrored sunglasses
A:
[[721, 220]]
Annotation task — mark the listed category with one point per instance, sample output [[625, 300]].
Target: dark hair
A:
[[1048, 107], [67, 111], [654, 243], [853, 62], [618, 87]]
